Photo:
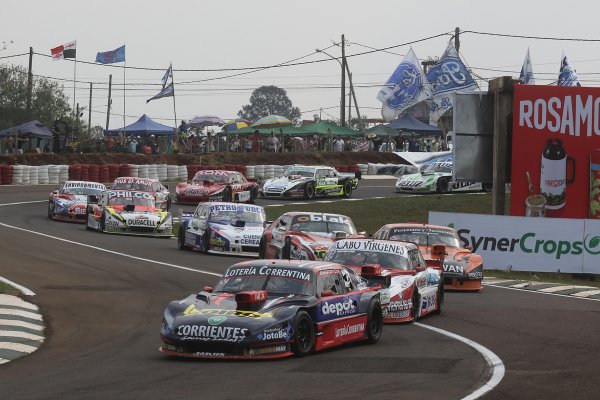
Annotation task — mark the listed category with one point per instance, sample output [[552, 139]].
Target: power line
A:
[[530, 37]]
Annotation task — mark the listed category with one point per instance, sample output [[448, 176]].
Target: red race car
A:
[[463, 269], [216, 185], [304, 235]]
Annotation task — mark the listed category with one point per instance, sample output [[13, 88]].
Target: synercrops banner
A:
[[528, 244]]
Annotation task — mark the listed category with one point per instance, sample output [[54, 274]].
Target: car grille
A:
[[250, 249], [213, 347], [141, 229]]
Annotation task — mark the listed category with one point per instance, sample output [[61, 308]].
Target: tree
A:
[[48, 101], [269, 100]]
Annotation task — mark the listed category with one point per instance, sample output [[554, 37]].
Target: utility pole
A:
[[343, 94], [457, 39], [29, 83], [350, 102], [76, 121], [90, 113], [109, 100], [360, 122]]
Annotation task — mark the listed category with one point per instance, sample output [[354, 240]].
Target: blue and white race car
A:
[[436, 178], [69, 202], [223, 228]]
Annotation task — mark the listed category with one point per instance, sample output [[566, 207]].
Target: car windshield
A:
[[425, 237], [443, 167], [323, 223], [211, 178], [82, 191], [144, 202], [353, 257], [304, 172], [229, 215], [275, 285], [132, 185]]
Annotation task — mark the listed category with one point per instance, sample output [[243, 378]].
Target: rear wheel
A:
[[304, 339], [416, 304], [50, 210], [103, 223], [204, 245], [442, 185], [261, 248], [309, 191], [347, 189], [374, 321], [181, 238], [440, 297]]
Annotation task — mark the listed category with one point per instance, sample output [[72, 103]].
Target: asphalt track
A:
[[103, 312]]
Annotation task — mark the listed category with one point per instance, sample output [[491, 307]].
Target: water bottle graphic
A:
[[553, 177], [594, 211]]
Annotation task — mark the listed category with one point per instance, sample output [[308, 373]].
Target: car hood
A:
[[249, 231], [199, 188], [418, 178], [71, 198], [283, 182]]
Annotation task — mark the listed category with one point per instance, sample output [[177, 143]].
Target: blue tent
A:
[[143, 127], [31, 129], [408, 123]]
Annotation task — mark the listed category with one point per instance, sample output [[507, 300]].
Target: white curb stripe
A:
[[20, 313], [23, 202], [2, 361], [21, 324], [521, 285], [495, 363], [587, 293], [23, 289], [20, 347], [8, 300], [561, 288], [19, 334]]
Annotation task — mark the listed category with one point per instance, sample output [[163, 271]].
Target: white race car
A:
[[436, 178]]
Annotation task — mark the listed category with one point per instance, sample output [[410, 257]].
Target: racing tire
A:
[[50, 211], [442, 186], [227, 197], [204, 246], [487, 187], [416, 305], [181, 238], [102, 223], [286, 250], [304, 337], [309, 191], [347, 189], [169, 201], [374, 321], [261, 248], [440, 297]]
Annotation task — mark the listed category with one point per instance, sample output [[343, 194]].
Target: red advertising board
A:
[[556, 138]]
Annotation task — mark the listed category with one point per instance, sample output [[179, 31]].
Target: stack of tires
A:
[[6, 171], [161, 170], [94, 173], [364, 168], [152, 171], [17, 172], [134, 170], [43, 177], [104, 173], [250, 172], [85, 172], [143, 173], [25, 174], [33, 175], [63, 174], [172, 173], [113, 172], [183, 173], [75, 172], [259, 171], [125, 170], [279, 170], [54, 174]]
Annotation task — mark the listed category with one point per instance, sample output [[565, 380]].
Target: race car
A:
[[304, 235], [272, 309], [159, 191], [212, 185], [222, 228], [309, 182], [436, 178], [69, 202], [463, 269], [409, 288], [129, 212]]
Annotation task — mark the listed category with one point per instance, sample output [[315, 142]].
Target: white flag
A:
[[567, 75], [406, 87], [526, 76], [448, 76]]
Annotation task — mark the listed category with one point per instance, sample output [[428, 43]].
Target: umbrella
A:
[[206, 120], [272, 121], [235, 124]]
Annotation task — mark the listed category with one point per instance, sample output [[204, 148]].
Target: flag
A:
[[65, 51], [168, 74], [406, 87], [567, 75], [526, 76], [166, 92], [448, 76], [112, 56]]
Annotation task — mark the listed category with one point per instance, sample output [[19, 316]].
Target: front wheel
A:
[[309, 191], [374, 321], [442, 186], [304, 339], [50, 210], [416, 304], [347, 189], [204, 246], [440, 297], [227, 197], [261, 248], [103, 222], [181, 238], [286, 250]]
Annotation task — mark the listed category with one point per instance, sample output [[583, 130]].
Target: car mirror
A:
[[362, 233], [326, 293], [339, 235], [208, 289]]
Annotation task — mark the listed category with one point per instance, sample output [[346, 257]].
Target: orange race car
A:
[[463, 269]]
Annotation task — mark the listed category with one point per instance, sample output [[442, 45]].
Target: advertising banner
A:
[[528, 244], [555, 141]]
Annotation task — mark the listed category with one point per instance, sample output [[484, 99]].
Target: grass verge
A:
[[567, 279], [5, 288]]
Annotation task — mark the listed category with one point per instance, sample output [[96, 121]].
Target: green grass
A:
[[370, 215], [7, 289], [568, 279]]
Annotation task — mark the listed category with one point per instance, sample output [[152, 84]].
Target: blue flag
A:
[[526, 76], [111, 57], [567, 75], [169, 90]]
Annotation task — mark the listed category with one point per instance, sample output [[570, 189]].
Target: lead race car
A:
[[436, 178], [129, 212], [409, 288], [212, 185], [272, 309], [158, 190], [310, 182], [305, 235], [463, 269], [69, 202], [222, 228]]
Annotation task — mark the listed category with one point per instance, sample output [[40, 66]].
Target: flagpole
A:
[[124, 94], [74, 85], [174, 110]]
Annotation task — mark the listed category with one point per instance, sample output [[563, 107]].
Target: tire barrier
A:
[[85, 172], [6, 173], [161, 171], [134, 170], [124, 170], [53, 174], [75, 172], [94, 173], [113, 172], [43, 176], [183, 173], [103, 173], [143, 171]]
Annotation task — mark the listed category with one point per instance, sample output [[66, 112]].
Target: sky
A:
[[221, 35]]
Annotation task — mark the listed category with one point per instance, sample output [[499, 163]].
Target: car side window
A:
[[331, 282], [414, 259], [284, 223]]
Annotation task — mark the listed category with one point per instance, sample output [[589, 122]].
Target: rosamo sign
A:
[[556, 138], [528, 244]]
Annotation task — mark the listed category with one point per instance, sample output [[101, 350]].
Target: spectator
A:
[[235, 144], [435, 144], [154, 145], [9, 144], [413, 143], [109, 143], [132, 144], [272, 143], [256, 142], [287, 144], [313, 143], [338, 144], [348, 144], [247, 144]]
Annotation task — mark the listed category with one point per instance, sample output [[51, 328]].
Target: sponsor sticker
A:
[[349, 330], [211, 333]]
